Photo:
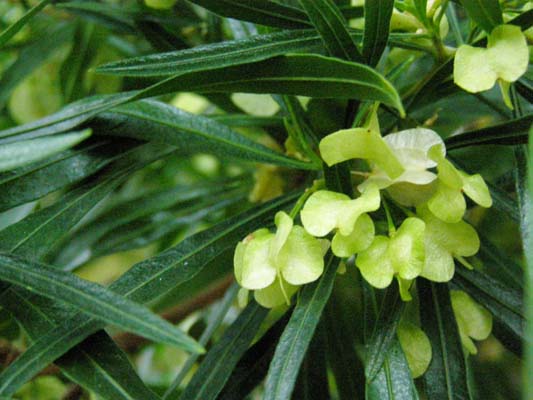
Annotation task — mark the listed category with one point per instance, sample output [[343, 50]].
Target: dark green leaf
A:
[[30, 183], [499, 265], [214, 322], [159, 122], [32, 57], [293, 344], [394, 380], [346, 367], [147, 281], [503, 302], [377, 22], [13, 29], [528, 247], [243, 120], [75, 66], [486, 13], [265, 12], [510, 132], [35, 235], [446, 375], [81, 245], [97, 364], [92, 299], [217, 55], [384, 332], [67, 118], [253, 365], [291, 74], [120, 19], [312, 381], [219, 362], [144, 232], [331, 26]]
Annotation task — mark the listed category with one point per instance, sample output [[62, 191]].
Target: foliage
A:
[[265, 199]]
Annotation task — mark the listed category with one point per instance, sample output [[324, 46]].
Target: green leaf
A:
[[84, 242], [509, 133], [146, 281], [527, 234], [377, 22], [293, 344], [20, 154], [253, 365], [67, 118], [393, 381], [159, 122], [216, 55], [340, 348], [32, 57], [92, 299], [290, 74], [264, 12], [213, 323], [121, 19], [245, 120], [219, 362], [26, 184], [504, 302], [106, 371], [486, 13], [35, 235], [139, 234], [312, 381], [446, 377], [384, 332], [13, 29], [75, 66], [332, 27]]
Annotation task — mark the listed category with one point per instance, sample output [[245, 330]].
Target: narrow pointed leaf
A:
[[217, 55], [13, 29], [92, 299], [304, 75], [446, 377], [312, 381], [214, 322], [35, 235], [32, 57], [332, 27], [265, 12], [67, 118], [377, 22], [159, 122], [97, 364], [20, 154], [253, 365], [85, 240], [219, 362], [384, 332], [346, 367], [510, 132], [393, 381], [527, 235], [34, 181], [486, 13], [293, 344]]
